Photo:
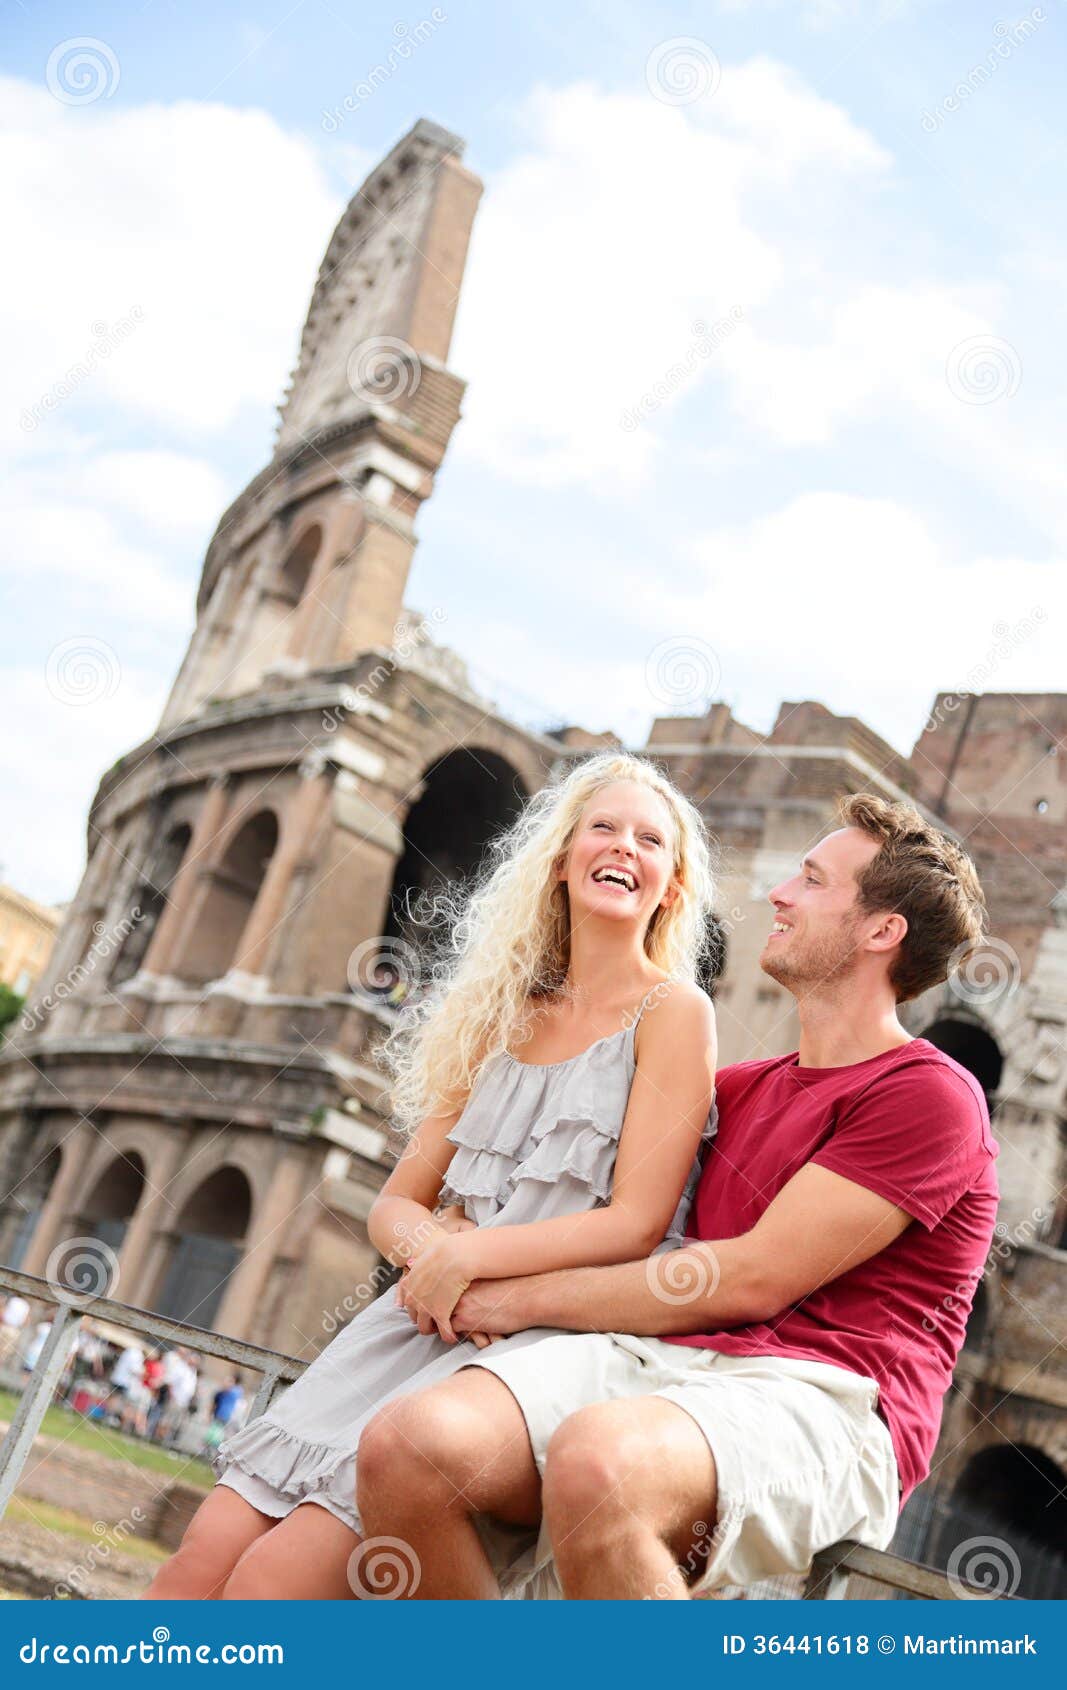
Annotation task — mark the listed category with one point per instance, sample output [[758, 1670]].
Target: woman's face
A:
[[620, 866]]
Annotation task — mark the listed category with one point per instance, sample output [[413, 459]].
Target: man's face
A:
[[817, 934]]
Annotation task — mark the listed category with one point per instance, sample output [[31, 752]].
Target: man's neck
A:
[[835, 1034]]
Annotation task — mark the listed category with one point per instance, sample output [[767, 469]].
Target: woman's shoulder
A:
[[676, 1009]]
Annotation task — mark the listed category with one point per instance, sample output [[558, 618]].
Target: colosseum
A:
[[194, 1081]]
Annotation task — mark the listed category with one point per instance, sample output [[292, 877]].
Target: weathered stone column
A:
[[342, 534], [173, 924], [153, 1209], [265, 1237], [299, 822]]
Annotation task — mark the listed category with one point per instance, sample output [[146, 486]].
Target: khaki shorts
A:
[[803, 1458]]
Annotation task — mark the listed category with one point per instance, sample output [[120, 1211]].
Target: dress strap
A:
[[657, 991]]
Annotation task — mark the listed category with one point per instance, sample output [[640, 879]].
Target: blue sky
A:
[[764, 343]]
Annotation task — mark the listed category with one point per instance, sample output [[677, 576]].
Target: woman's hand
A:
[[434, 1282]]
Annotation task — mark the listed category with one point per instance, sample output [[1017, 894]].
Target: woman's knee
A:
[[417, 1447]]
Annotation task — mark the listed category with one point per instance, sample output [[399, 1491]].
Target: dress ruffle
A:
[[269, 1454]]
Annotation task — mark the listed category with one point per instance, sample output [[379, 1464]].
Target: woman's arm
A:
[[401, 1221], [668, 1106]]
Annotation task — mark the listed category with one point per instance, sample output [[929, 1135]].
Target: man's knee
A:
[[589, 1467]]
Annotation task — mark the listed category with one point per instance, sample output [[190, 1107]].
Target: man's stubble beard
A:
[[823, 961]]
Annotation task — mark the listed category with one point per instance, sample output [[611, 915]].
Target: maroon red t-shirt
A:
[[911, 1125]]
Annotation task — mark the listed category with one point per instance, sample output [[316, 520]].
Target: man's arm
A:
[[819, 1225]]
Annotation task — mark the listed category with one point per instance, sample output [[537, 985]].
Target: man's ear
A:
[[891, 930]]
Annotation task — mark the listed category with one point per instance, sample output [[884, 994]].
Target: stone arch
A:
[[971, 1045], [151, 900], [214, 942], [1013, 1496], [206, 1245], [113, 1199]]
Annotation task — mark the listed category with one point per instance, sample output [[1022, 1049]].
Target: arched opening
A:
[[468, 798], [113, 1200], [1013, 1497], [235, 883], [28, 1199], [973, 1048], [150, 901], [210, 1230], [295, 572]]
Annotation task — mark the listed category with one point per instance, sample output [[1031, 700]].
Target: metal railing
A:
[[830, 1571]]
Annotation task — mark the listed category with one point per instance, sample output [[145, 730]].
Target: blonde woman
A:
[[558, 1084]]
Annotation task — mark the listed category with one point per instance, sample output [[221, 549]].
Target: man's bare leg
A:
[[630, 1500], [430, 1461]]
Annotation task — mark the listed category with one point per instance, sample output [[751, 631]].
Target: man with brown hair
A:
[[720, 1413]]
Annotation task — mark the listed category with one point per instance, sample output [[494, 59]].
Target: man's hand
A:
[[497, 1306]]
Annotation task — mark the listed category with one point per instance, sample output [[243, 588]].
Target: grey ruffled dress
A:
[[534, 1141]]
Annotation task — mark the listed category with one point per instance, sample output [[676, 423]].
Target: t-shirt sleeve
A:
[[918, 1138]]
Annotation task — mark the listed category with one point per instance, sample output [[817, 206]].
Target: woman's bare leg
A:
[[306, 1558], [219, 1533], [427, 1464]]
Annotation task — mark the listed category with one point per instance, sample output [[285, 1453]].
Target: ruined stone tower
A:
[[191, 1085]]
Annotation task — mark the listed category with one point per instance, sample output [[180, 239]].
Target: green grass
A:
[[80, 1433], [77, 1525]]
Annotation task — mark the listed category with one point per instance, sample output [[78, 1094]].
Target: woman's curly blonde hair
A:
[[507, 940]]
